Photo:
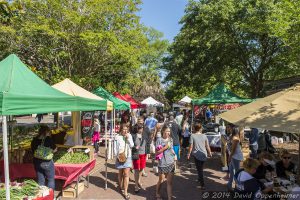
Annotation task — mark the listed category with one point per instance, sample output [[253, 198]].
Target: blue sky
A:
[[163, 15]]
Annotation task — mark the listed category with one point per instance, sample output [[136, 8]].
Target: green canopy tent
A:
[[118, 103], [220, 95], [23, 92]]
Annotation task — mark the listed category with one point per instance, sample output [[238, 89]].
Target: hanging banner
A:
[[196, 110], [87, 124], [227, 106]]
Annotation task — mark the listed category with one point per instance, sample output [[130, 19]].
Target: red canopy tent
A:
[[119, 96], [133, 103]]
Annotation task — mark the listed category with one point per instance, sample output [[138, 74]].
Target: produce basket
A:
[[87, 149], [73, 155]]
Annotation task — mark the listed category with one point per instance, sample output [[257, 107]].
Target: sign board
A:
[[87, 124]]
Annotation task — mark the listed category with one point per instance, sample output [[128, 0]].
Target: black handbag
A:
[[135, 154]]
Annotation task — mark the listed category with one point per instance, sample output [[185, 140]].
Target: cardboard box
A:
[[70, 191]]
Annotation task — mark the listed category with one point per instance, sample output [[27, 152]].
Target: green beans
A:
[[29, 188], [64, 157]]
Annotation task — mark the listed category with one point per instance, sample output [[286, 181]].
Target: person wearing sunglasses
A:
[[285, 166]]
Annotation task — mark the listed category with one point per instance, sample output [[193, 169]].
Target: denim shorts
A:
[[127, 164]]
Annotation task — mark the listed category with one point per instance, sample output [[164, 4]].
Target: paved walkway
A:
[[184, 183]]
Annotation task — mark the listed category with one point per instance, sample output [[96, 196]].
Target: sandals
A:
[[136, 189], [127, 197], [141, 186], [121, 190]]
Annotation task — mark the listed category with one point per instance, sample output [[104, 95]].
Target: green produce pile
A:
[[65, 157], [29, 188]]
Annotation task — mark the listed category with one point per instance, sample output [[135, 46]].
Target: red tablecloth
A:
[[67, 172]]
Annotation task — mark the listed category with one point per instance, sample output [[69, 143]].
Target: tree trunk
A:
[[256, 86]]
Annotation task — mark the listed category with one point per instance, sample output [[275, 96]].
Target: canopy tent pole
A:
[[114, 122], [112, 132], [298, 157], [5, 152], [105, 150], [192, 124]]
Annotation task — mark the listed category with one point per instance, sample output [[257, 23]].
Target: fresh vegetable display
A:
[[19, 191], [65, 157], [21, 136]]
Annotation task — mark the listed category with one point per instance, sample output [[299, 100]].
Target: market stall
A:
[[152, 105], [118, 104], [277, 112], [152, 102], [219, 98], [71, 164], [70, 88], [23, 92]]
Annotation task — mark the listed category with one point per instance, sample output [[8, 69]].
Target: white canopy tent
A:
[[185, 100], [70, 88], [152, 102]]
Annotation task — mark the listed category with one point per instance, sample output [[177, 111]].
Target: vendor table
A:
[[67, 172], [285, 186]]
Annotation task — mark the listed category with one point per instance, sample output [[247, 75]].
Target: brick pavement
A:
[[184, 183]]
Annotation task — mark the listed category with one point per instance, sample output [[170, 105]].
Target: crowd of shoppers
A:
[[162, 138]]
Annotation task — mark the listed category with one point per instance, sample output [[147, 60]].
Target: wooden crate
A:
[[70, 191], [90, 150]]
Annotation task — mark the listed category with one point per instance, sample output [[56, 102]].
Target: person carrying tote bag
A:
[[124, 144], [43, 148]]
